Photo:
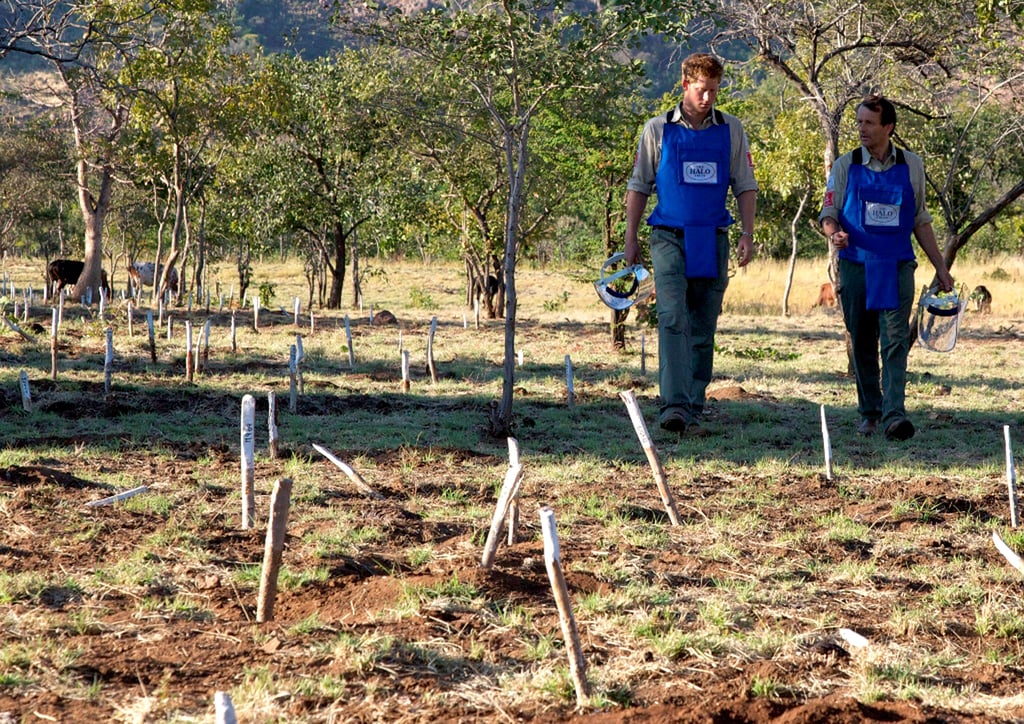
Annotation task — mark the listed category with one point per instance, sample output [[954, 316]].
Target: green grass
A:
[[769, 553]]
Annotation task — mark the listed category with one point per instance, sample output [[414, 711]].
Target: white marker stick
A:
[[1011, 478], [248, 461], [826, 444]]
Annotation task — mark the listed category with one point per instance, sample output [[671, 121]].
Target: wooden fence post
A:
[[280, 500], [553, 562], [640, 426]]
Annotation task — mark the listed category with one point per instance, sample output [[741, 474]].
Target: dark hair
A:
[[702, 65], [879, 103]]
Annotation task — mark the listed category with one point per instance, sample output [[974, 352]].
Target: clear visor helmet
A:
[[938, 319], [625, 287]]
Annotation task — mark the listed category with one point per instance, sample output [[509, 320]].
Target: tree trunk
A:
[[94, 213], [792, 254], [337, 268]]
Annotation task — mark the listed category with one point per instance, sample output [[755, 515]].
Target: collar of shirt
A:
[[677, 116], [873, 163]]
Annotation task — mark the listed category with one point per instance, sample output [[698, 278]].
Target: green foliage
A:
[[266, 293], [420, 299]]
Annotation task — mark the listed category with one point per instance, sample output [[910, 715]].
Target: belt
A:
[[679, 232]]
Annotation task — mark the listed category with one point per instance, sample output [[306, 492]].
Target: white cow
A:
[[142, 273]]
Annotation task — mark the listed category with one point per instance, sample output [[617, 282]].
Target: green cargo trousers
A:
[[688, 312], [870, 328]]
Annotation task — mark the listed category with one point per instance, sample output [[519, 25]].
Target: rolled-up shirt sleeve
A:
[[648, 157], [741, 163]]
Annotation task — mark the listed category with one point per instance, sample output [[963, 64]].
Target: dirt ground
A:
[[147, 660]]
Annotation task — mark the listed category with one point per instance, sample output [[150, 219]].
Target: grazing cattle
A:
[[826, 296], [982, 299], [143, 273], [65, 272]]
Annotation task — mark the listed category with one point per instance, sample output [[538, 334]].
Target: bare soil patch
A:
[[180, 625]]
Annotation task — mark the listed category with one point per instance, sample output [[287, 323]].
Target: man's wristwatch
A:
[[747, 233]]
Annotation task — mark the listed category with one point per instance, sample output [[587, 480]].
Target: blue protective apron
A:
[[692, 184], [878, 214]]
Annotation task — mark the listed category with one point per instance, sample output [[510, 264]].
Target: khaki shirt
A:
[[835, 190], [648, 154]]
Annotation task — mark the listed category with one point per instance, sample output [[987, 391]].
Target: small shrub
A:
[[557, 304], [266, 293], [420, 299]]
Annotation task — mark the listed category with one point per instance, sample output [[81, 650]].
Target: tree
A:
[[328, 147], [182, 86], [510, 60]]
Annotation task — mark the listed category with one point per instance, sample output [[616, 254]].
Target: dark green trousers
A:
[[688, 312], [878, 335]]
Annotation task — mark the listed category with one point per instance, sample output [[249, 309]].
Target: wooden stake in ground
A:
[[53, 344], [26, 393], [300, 359], [1011, 477], [248, 461], [280, 500], [509, 491], [224, 710], [206, 342], [405, 370], [293, 401], [640, 426], [17, 330], [117, 498], [297, 307], [108, 361], [553, 562], [189, 353], [348, 341], [234, 346], [256, 314], [131, 321], [352, 474], [152, 335], [272, 423], [827, 444], [431, 367], [1012, 558], [513, 508], [643, 354], [571, 394]]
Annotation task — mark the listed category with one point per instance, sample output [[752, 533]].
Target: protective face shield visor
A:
[[623, 288], [938, 319]]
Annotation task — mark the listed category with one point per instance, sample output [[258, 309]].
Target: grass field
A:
[[142, 610]]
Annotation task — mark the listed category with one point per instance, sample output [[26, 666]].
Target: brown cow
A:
[[826, 296], [65, 272]]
